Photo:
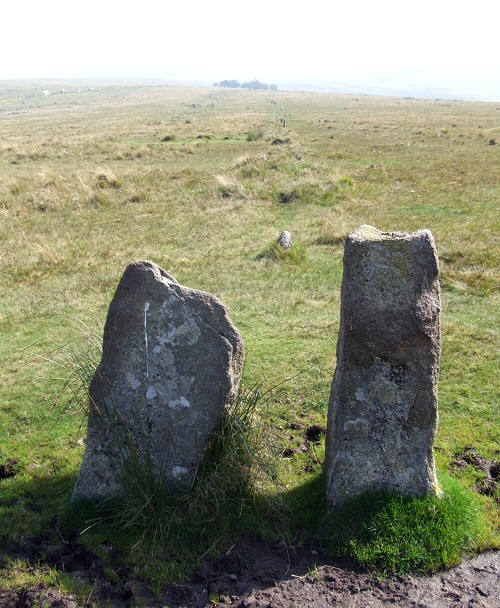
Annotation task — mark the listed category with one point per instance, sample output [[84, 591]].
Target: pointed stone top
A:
[[136, 268]]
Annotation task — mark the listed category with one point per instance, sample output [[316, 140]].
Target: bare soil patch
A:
[[488, 483], [255, 574]]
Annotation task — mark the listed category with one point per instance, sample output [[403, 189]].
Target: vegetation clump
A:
[[397, 534], [252, 84], [255, 134], [228, 186], [280, 142], [309, 190], [237, 479], [256, 84], [232, 84], [104, 182], [294, 255]]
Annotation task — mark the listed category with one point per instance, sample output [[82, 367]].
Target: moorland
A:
[[202, 181]]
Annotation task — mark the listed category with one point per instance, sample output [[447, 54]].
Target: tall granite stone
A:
[[383, 410], [172, 359]]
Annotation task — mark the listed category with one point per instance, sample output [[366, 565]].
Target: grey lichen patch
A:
[[171, 361], [383, 408]]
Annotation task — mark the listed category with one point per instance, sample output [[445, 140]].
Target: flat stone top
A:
[[369, 233]]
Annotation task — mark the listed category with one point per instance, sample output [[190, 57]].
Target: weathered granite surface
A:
[[171, 360], [383, 411]]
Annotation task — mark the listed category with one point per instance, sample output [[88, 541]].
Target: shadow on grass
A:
[[264, 537], [30, 502]]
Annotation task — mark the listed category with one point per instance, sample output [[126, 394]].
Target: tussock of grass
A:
[[255, 134], [310, 190], [76, 362], [293, 255], [228, 186], [105, 181], [396, 534], [236, 481]]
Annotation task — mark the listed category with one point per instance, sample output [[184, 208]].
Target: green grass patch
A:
[[430, 210], [396, 534], [294, 255], [20, 574]]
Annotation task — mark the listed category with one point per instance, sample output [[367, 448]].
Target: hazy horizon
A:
[[366, 46], [369, 85]]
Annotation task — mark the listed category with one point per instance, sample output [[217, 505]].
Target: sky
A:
[[440, 42]]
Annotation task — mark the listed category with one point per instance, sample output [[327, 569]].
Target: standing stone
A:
[[383, 410], [172, 359], [285, 240]]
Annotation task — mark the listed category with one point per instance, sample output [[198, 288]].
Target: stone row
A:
[[172, 361]]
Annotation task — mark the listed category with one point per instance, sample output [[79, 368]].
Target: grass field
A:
[[202, 181]]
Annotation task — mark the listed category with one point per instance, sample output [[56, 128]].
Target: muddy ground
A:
[[253, 574]]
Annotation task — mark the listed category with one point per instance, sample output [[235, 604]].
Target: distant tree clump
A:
[[232, 84], [253, 84]]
